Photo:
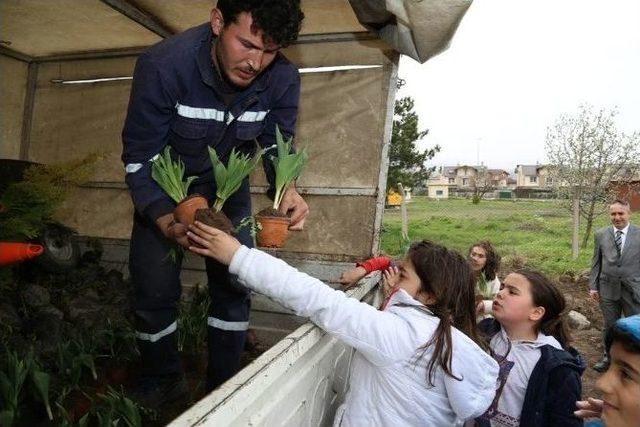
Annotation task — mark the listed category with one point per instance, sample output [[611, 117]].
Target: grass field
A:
[[534, 233]]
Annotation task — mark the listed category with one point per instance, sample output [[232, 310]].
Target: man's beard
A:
[[221, 69]]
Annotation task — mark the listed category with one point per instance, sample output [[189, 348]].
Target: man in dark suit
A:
[[615, 269]]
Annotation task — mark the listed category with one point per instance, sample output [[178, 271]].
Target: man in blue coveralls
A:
[[224, 84]]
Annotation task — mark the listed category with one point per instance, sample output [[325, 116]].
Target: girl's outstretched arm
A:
[[376, 334]]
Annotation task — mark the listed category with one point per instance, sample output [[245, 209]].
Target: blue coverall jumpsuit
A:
[[177, 99]]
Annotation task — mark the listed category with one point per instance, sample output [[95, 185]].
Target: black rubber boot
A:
[[154, 392]]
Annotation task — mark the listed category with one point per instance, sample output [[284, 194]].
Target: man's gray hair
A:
[[621, 202]]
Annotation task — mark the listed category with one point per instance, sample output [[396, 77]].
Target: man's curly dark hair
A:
[[280, 20]]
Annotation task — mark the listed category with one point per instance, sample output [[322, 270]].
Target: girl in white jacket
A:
[[417, 361]]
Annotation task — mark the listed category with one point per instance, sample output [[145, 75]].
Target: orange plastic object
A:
[[12, 253]]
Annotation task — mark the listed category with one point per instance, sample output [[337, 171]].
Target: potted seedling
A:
[[273, 225], [169, 175], [228, 180]]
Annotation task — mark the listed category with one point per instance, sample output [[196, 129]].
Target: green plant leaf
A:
[[288, 166], [250, 222], [41, 381], [169, 175], [6, 417], [87, 361], [229, 178], [8, 391], [84, 421], [31, 203]]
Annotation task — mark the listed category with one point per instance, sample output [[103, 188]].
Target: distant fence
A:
[[505, 193]]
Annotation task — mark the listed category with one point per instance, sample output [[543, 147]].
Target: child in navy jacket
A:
[[539, 378]]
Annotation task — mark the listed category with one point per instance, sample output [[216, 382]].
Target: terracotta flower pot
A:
[[79, 404], [273, 231], [117, 374], [11, 252], [185, 212]]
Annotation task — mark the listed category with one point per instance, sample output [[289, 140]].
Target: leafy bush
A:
[[31, 203]]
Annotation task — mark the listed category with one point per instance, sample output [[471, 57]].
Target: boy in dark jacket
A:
[[620, 384]]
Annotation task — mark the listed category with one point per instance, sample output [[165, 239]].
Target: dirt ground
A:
[[588, 342]]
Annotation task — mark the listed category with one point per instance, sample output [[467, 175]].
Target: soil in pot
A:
[[273, 229], [214, 219], [185, 212], [118, 374]]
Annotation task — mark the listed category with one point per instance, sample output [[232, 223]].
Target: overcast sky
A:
[[514, 65]]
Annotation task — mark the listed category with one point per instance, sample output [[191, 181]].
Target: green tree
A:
[[406, 160]]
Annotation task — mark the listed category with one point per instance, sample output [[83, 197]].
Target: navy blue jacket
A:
[[175, 100], [553, 389]]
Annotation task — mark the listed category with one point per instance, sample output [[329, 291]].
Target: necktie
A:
[[619, 240]]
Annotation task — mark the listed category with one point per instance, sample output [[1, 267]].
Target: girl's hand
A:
[[212, 242], [590, 408], [351, 277], [391, 278]]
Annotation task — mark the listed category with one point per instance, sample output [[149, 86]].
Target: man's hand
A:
[[294, 205], [173, 230], [351, 277], [594, 295], [212, 243]]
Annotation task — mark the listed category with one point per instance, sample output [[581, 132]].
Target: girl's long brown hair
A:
[[445, 274], [545, 294]]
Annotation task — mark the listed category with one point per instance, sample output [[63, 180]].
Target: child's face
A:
[[409, 280], [477, 258], [514, 303], [620, 387]]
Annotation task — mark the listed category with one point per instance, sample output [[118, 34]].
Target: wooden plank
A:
[[142, 17], [97, 54], [15, 54], [384, 156], [362, 39], [27, 116]]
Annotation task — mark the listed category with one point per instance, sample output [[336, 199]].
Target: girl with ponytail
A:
[[416, 361], [539, 379]]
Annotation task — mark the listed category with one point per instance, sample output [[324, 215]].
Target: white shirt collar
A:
[[624, 230]]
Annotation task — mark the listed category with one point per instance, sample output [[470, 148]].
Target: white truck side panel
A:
[[300, 381]]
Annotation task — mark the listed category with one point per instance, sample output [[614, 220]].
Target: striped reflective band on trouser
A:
[[159, 335], [227, 326]]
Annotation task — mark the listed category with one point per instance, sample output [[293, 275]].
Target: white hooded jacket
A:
[[388, 386]]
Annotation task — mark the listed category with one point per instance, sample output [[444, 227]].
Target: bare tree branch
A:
[[587, 152]]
